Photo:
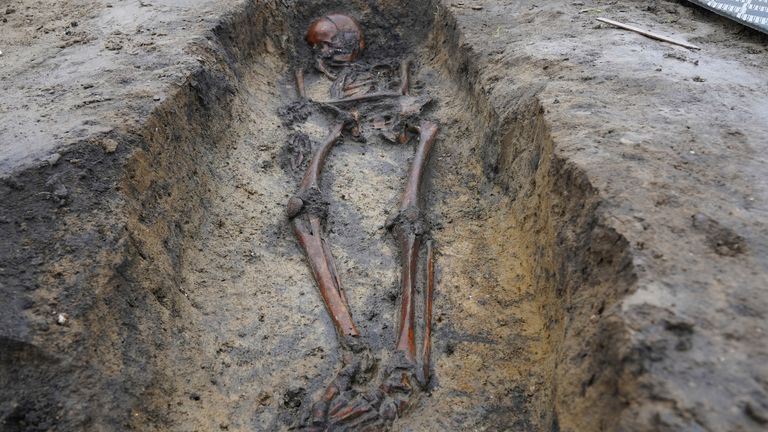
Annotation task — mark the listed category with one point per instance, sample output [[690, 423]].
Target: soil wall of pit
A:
[[95, 238], [92, 251], [581, 267]]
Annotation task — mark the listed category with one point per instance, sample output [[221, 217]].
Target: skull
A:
[[336, 38]]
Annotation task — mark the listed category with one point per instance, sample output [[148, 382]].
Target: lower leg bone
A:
[[408, 228], [426, 351], [307, 213]]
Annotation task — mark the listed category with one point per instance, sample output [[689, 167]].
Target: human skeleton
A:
[[365, 100]]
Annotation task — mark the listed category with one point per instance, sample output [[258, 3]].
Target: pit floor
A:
[[262, 342]]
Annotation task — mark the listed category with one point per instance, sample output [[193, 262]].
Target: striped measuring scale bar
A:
[[753, 13]]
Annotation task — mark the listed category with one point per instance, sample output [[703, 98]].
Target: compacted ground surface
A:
[[597, 201]]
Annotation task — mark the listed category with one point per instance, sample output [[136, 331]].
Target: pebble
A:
[[53, 159], [62, 319], [109, 145], [113, 45], [61, 191]]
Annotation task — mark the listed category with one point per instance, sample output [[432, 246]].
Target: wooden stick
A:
[[647, 33]]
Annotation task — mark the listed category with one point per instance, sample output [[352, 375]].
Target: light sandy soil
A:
[[598, 202]]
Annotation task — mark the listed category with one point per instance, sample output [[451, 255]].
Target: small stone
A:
[[62, 319], [9, 10], [61, 191], [293, 397], [269, 46], [109, 145], [264, 398], [113, 45], [157, 98], [53, 159]]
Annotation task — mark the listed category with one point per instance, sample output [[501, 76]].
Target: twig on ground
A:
[[647, 33]]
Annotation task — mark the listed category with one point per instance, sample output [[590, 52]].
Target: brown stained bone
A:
[[336, 39], [408, 228], [412, 105], [300, 84], [405, 78], [320, 65], [356, 94], [357, 84], [364, 98], [307, 211], [344, 407], [426, 347], [358, 87]]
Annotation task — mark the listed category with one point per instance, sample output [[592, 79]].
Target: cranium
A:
[[336, 38]]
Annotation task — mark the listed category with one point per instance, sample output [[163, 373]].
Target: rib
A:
[[363, 98], [307, 212], [358, 84]]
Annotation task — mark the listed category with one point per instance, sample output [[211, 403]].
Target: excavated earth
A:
[[598, 203]]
